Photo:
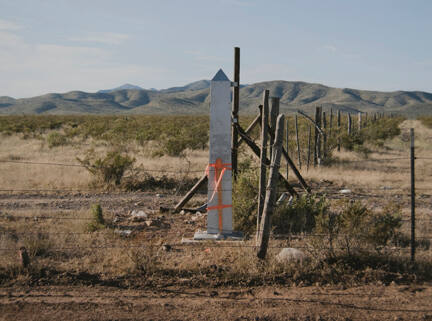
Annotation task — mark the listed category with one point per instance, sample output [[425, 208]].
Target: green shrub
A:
[[55, 139], [300, 215], [110, 169], [245, 196], [356, 228], [98, 221]]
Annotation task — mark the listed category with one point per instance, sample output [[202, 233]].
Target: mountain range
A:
[[193, 98]]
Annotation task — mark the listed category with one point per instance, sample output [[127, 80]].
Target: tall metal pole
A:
[[235, 110], [413, 245]]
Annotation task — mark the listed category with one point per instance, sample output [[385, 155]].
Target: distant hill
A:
[[122, 87], [194, 99]]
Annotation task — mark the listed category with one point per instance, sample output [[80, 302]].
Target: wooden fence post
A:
[[298, 143], [349, 124], [309, 148], [271, 190], [317, 147], [339, 131], [324, 122], [359, 122], [23, 257], [263, 155], [274, 112], [235, 110], [413, 245], [287, 146], [331, 123]]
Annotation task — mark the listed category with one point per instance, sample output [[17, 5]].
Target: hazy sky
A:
[[60, 45]]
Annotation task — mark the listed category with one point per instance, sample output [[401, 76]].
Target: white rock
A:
[[290, 254], [124, 233], [138, 216], [345, 191]]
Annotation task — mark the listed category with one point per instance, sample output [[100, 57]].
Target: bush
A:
[[55, 139], [110, 169], [245, 197], [300, 215], [98, 221], [356, 228]]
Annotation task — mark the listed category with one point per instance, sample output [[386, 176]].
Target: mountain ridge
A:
[[193, 98]]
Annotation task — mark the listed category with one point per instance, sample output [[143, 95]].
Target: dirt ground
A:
[[393, 302], [184, 302]]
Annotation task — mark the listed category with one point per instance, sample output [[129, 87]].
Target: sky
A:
[[63, 45]]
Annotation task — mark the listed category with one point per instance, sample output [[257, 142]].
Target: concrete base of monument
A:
[[205, 236]]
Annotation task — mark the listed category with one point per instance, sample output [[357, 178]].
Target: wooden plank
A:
[[263, 155], [298, 143], [256, 150], [271, 191], [192, 191]]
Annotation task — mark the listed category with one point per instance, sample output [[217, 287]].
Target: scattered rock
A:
[[290, 254], [153, 223], [166, 247], [182, 212], [138, 216], [345, 191], [124, 233]]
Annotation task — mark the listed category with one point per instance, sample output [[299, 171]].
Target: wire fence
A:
[[118, 229]]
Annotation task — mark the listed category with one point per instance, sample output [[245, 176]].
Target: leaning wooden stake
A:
[[309, 148], [271, 191], [274, 112], [324, 122], [287, 146], [359, 121], [331, 123], [338, 127], [254, 147], [263, 155], [298, 143], [349, 124]]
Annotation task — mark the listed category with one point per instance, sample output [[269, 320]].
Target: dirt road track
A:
[[394, 302]]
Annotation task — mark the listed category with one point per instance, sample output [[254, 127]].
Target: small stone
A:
[[159, 195], [182, 212], [289, 254], [138, 216], [152, 223], [124, 233], [166, 247], [345, 191]]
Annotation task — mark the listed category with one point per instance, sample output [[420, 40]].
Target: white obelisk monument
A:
[[219, 203]]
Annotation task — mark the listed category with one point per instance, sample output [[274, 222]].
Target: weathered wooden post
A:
[[339, 131], [23, 257], [274, 112], [263, 156], [235, 110], [359, 121], [349, 124], [331, 123], [271, 191], [298, 142], [324, 125], [219, 203], [309, 148], [287, 146], [317, 149], [412, 163]]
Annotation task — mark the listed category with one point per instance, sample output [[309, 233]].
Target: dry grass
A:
[[88, 252]]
